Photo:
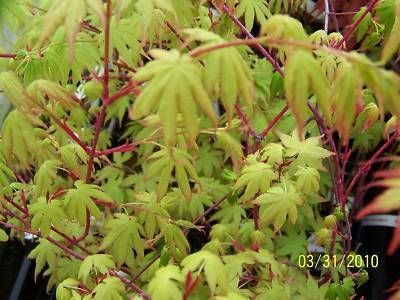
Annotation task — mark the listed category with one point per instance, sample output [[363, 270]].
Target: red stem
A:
[[244, 120], [123, 148], [20, 208], [338, 184], [354, 26], [195, 222], [106, 93], [100, 117], [131, 87], [256, 217], [259, 47], [71, 133], [68, 239], [368, 163], [85, 233], [129, 283], [264, 133], [8, 55], [25, 202]]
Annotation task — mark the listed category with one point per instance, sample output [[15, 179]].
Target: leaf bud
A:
[[323, 236], [330, 222], [92, 89]]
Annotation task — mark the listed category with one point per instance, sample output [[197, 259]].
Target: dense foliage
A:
[[157, 149]]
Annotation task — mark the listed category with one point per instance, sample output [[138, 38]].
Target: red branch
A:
[[264, 133], [131, 87], [369, 162], [338, 184], [354, 26], [259, 47], [105, 95], [244, 120], [85, 233], [129, 283], [8, 55], [123, 148], [64, 126]]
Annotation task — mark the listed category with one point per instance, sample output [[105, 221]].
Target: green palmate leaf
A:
[[226, 75], [273, 153], [341, 290], [256, 177], [275, 290], [95, 265], [285, 6], [123, 236], [16, 94], [111, 288], [3, 236], [364, 25], [208, 160], [251, 9], [45, 177], [165, 162], [6, 174], [80, 198], [18, 137], [86, 55], [48, 65], [392, 44], [44, 253], [12, 14], [232, 147], [151, 15], [70, 14], [307, 152], [231, 296], [303, 77], [68, 290], [74, 158], [166, 283], [68, 268], [279, 203], [307, 180], [124, 38], [283, 27], [46, 214], [386, 12], [312, 290], [212, 267], [348, 87], [44, 89], [175, 239], [230, 214], [292, 244], [384, 84], [174, 87]]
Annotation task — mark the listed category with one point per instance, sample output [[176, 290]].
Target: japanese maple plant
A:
[[176, 149]]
